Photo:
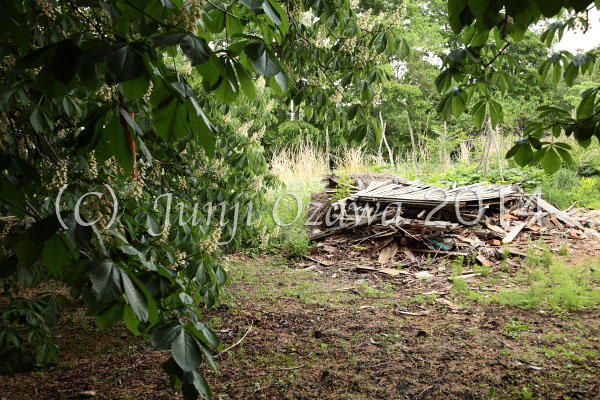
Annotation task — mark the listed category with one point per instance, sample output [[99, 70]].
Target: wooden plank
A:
[[514, 232], [559, 214]]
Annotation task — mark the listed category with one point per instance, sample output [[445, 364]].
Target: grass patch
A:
[[556, 286]]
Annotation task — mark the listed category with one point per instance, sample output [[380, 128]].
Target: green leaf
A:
[[28, 252], [585, 131], [586, 107], [106, 281], [458, 105], [167, 40], [135, 298], [478, 7], [114, 142], [162, 339], [549, 8], [45, 352], [246, 83], [496, 114], [282, 81], [524, 155], [208, 334], [135, 89], [124, 64], [36, 120], [565, 155], [271, 13], [111, 316], [455, 10], [202, 127], [556, 73], [7, 95], [580, 59], [57, 256], [185, 351], [551, 161], [170, 120], [443, 81], [233, 25], [478, 113], [64, 60], [571, 74], [195, 49], [263, 60], [131, 321], [253, 5], [199, 383]]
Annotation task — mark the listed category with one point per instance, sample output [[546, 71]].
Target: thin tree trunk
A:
[[384, 140], [495, 136], [486, 150], [327, 148], [412, 141], [443, 147]]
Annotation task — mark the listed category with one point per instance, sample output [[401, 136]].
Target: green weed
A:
[[556, 286]]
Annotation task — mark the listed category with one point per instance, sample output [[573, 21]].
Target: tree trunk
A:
[[384, 140], [496, 135], [486, 150], [327, 148], [412, 142]]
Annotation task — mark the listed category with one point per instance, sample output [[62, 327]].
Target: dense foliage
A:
[[476, 72], [157, 106]]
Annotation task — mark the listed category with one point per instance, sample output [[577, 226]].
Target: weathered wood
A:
[[514, 232], [564, 217]]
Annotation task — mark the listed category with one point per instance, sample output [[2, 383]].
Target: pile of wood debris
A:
[[389, 225]]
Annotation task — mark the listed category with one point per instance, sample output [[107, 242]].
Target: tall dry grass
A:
[[304, 162], [307, 162], [351, 159]]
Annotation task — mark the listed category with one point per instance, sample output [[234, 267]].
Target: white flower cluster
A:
[[363, 55], [8, 224], [9, 61], [226, 118], [396, 19], [211, 243], [338, 96], [186, 69], [4, 123], [263, 239], [257, 183], [60, 177], [164, 237], [191, 12], [306, 18], [107, 92], [276, 231], [100, 210], [46, 8], [182, 183], [220, 168], [22, 148], [93, 165], [181, 257], [377, 93], [256, 136], [243, 129], [270, 105], [348, 45], [146, 97], [260, 84], [322, 40]]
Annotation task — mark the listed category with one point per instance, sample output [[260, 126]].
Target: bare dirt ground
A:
[[322, 333]]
